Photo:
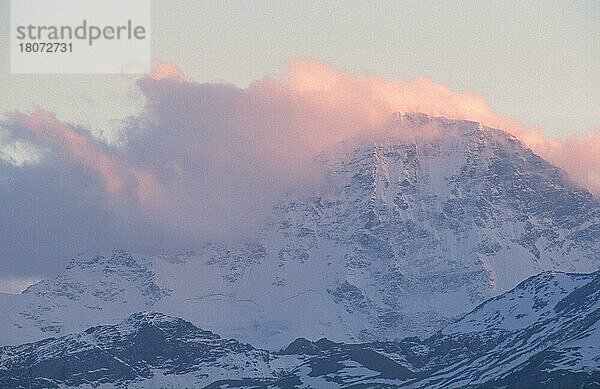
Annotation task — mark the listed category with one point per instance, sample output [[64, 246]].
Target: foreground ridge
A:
[[544, 332]]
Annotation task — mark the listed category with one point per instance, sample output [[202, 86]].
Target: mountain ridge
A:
[[553, 347]]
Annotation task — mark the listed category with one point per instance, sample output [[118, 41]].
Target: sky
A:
[[535, 61], [97, 158]]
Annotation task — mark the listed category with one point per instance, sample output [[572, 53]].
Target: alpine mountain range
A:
[[455, 261]]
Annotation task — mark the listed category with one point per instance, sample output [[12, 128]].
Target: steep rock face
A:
[[414, 230], [430, 225], [410, 231], [543, 333]]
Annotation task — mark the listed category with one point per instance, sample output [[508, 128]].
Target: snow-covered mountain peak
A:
[[420, 126], [537, 299], [158, 320], [408, 233], [149, 317], [93, 290], [415, 118], [101, 276]]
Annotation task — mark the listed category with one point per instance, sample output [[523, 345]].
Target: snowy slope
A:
[[409, 233], [92, 290], [542, 333]]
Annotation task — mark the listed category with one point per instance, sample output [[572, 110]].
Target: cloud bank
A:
[[208, 161]]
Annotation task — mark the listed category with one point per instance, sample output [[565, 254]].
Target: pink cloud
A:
[[231, 146], [117, 174], [578, 156], [338, 105], [166, 71], [371, 100], [209, 161]]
